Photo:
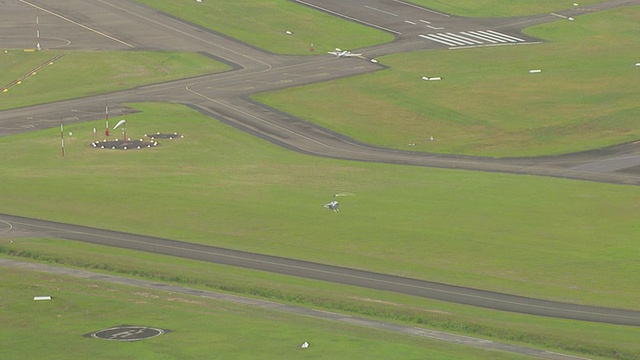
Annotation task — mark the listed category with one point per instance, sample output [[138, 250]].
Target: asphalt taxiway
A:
[[123, 25]]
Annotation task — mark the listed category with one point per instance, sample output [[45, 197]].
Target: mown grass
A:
[[604, 341], [264, 24], [488, 103], [86, 73], [201, 328], [542, 237], [500, 8], [565, 240]]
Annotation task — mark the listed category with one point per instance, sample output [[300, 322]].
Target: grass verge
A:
[[86, 73], [613, 342], [541, 237], [200, 327], [488, 103]]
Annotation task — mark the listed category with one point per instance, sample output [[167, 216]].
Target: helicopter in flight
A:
[[334, 204]]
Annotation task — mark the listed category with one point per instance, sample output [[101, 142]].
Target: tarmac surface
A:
[[124, 25], [14, 227]]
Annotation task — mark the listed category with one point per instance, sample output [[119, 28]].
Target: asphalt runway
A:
[[123, 25], [16, 226]]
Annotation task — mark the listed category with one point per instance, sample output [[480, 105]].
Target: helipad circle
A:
[[128, 333]]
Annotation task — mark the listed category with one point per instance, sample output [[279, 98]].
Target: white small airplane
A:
[[343, 53]]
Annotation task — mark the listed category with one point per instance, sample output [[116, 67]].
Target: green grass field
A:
[[264, 24], [488, 103], [594, 340], [201, 328], [86, 73], [553, 238], [513, 240]]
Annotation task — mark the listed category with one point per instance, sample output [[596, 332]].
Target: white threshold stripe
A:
[[466, 39], [437, 40], [505, 35], [454, 39], [490, 36], [479, 37]]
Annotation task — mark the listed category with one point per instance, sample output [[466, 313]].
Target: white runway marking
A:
[[382, 11], [421, 8], [436, 39], [505, 35], [475, 38], [77, 23], [9, 226], [474, 35]]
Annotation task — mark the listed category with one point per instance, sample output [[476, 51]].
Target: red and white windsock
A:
[[106, 119], [62, 137]]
